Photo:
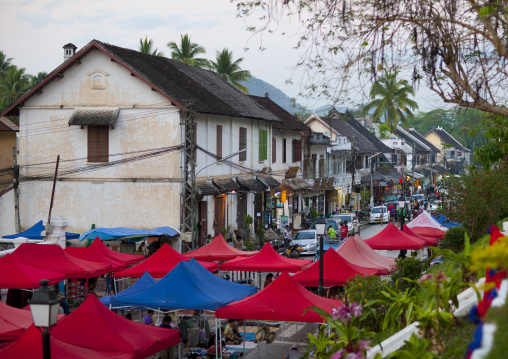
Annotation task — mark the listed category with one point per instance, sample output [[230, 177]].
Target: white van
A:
[[379, 215]]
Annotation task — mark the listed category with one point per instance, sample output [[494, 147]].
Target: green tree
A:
[[35, 79], [14, 84], [5, 63], [230, 70], [390, 98], [146, 47], [384, 131], [187, 52]]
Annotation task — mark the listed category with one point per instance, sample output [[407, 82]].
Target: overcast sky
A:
[[34, 31]]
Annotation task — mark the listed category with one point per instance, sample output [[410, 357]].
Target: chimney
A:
[[368, 121], [266, 95], [69, 51]]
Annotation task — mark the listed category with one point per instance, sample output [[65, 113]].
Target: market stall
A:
[[392, 238], [218, 250]]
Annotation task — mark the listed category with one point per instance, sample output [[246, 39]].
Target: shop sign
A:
[[283, 196]]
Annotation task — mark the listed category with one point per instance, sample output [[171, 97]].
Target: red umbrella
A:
[[336, 271], [217, 250], [161, 263], [267, 260], [392, 238], [283, 300]]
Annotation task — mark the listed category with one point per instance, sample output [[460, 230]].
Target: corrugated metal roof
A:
[[226, 184], [268, 180], [250, 183], [94, 116], [205, 188]]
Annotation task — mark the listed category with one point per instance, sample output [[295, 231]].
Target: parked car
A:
[[352, 222], [306, 240], [379, 214], [418, 197]]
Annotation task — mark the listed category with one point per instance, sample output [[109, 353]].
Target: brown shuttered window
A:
[[243, 144], [274, 150], [98, 144], [297, 150], [219, 141], [284, 150]]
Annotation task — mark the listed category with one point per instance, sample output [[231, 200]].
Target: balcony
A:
[[341, 143], [319, 139], [395, 143]]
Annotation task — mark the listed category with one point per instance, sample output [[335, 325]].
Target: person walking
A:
[[331, 233], [343, 231], [287, 236]]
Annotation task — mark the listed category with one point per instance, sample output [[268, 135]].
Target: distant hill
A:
[[258, 87]]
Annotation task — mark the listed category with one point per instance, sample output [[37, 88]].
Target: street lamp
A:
[[402, 206], [44, 306], [320, 231]]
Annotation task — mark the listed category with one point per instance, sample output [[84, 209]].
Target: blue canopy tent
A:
[[188, 286], [35, 233], [145, 281], [444, 221], [127, 233]]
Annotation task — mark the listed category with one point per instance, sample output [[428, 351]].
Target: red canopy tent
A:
[[431, 241], [52, 257], [93, 331], [161, 263], [359, 253], [90, 254], [128, 259], [17, 275], [336, 271], [425, 225], [283, 300], [14, 322], [217, 250], [267, 260], [392, 238]]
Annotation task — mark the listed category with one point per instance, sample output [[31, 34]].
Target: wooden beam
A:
[[60, 75]]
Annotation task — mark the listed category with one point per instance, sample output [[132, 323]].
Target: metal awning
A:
[[205, 188], [251, 184], [416, 175], [226, 184], [94, 116], [291, 172], [268, 180]]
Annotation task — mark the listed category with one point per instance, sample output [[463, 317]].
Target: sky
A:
[[34, 31]]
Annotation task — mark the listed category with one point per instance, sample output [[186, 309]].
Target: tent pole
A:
[[258, 343], [244, 338], [282, 334], [220, 339], [158, 314]]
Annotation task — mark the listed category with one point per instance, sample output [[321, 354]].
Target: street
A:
[[299, 338]]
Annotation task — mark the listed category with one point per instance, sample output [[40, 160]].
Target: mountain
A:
[[258, 87]]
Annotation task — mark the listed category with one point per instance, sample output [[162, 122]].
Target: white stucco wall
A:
[[7, 214]]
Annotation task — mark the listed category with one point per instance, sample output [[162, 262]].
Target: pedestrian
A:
[[287, 236], [208, 239], [166, 321], [268, 280], [331, 233], [239, 243], [149, 317], [344, 231]]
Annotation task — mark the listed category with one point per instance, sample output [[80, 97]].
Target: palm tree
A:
[[34, 80], [14, 84], [390, 99], [187, 51], [146, 47], [230, 70], [5, 63]]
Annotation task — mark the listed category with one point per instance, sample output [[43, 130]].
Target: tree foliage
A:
[[390, 99], [146, 47], [187, 51], [229, 69], [458, 48]]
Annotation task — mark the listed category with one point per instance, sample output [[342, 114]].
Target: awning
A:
[[268, 180], [205, 188], [127, 233], [303, 184], [291, 172], [416, 175], [35, 233], [250, 183], [226, 184], [98, 116]]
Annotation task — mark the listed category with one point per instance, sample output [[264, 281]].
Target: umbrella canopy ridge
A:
[[91, 255], [267, 260], [22, 276], [425, 225], [141, 284], [188, 286], [128, 259], [336, 271], [430, 241], [392, 238], [161, 263], [53, 257], [218, 250], [283, 300], [358, 252]]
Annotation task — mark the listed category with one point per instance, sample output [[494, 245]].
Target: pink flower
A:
[[425, 278], [356, 309], [358, 355], [364, 344], [338, 354], [442, 276]]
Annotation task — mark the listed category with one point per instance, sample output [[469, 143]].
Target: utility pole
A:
[[413, 167], [189, 213], [16, 190], [371, 184], [52, 195]]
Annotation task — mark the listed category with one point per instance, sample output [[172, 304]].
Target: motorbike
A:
[[292, 251], [362, 215]]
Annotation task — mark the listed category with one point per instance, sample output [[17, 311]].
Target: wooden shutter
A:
[[219, 141], [98, 143], [274, 150], [263, 145], [358, 162], [283, 150], [297, 150], [243, 144]]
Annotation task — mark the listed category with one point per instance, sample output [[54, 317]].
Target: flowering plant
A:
[[346, 338]]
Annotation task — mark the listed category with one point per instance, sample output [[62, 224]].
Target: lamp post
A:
[[320, 231], [44, 306], [402, 206]]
